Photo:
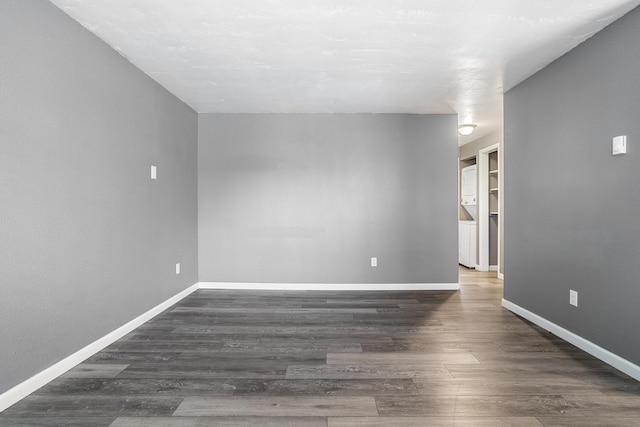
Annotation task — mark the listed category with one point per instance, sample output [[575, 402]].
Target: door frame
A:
[[483, 206]]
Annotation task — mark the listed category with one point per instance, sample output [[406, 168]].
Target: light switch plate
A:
[[178, 268], [573, 298], [619, 145], [374, 261], [153, 172]]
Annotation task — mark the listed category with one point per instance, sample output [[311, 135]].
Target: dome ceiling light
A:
[[466, 129]]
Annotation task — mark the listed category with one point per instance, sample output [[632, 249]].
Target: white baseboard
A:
[[27, 387], [595, 350], [333, 286], [500, 276], [493, 268]]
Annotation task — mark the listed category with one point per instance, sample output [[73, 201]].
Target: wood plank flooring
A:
[[338, 359]]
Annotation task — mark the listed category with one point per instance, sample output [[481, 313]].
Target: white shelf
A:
[[493, 190], [493, 172], [493, 213]]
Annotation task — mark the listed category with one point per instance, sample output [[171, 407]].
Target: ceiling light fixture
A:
[[466, 129]]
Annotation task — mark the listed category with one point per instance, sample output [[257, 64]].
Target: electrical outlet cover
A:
[[619, 145], [573, 298]]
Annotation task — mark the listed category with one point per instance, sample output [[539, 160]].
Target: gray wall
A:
[[311, 198], [87, 241], [572, 209], [472, 148]]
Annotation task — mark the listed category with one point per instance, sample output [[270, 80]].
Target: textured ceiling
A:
[[329, 56]]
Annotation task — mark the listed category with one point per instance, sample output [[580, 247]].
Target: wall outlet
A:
[[619, 145], [573, 298], [374, 261], [153, 172], [177, 268]]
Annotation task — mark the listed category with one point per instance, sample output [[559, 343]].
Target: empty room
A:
[[319, 214]]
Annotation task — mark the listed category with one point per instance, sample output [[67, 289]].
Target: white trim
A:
[[483, 206], [595, 350], [500, 276], [333, 286], [27, 387], [493, 268]]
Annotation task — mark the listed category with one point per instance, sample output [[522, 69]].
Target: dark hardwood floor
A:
[[338, 359]]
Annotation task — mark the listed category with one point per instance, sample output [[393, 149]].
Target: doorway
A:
[[489, 209]]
